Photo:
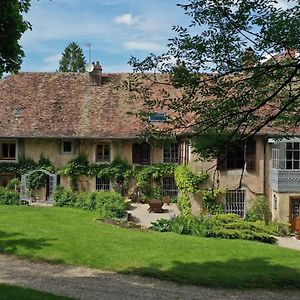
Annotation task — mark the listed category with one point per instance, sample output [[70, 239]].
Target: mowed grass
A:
[[8, 292], [73, 236]]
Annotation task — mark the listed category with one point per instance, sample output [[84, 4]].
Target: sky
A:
[[116, 29]]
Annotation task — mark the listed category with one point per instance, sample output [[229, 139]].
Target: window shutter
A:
[[251, 155], [136, 154], [183, 149]]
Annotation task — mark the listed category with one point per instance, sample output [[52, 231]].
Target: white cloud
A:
[[283, 4], [126, 19], [50, 62], [144, 46]]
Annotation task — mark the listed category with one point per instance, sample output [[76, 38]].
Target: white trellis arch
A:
[[24, 191]]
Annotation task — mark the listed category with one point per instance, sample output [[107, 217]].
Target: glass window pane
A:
[[289, 165], [296, 155], [289, 154], [99, 155], [296, 145], [296, 164], [289, 145], [67, 146]]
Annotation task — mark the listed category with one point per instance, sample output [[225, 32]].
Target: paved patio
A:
[[144, 218]]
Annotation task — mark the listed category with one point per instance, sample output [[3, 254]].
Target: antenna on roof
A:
[[89, 45]]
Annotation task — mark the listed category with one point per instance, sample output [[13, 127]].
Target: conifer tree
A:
[[73, 59]]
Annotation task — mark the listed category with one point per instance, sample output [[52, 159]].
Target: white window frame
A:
[[235, 202], [292, 160], [170, 149]]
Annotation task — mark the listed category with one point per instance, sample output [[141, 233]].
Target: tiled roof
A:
[[66, 105]]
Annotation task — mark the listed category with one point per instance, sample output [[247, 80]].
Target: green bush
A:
[[259, 210], [9, 197], [64, 197], [228, 226], [109, 204]]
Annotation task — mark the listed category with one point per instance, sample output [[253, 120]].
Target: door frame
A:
[[294, 198]]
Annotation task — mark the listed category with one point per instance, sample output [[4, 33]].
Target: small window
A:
[[67, 147], [169, 187], [157, 117], [171, 154], [235, 202], [103, 152], [8, 151], [102, 184]]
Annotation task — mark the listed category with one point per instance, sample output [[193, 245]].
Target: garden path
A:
[[144, 218], [91, 284]]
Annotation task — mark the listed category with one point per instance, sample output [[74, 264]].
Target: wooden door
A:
[[294, 212]]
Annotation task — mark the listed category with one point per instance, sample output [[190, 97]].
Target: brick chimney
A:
[[96, 74]]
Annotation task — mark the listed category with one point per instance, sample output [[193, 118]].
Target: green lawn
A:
[[73, 236], [8, 292]]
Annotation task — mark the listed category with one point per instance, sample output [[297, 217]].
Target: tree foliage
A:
[[12, 26], [73, 59], [236, 69]]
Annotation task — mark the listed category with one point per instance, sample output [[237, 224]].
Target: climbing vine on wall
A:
[[210, 201], [26, 165], [187, 182]]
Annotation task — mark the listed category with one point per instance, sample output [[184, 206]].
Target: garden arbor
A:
[[25, 196]]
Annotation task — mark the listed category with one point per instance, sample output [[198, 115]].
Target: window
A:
[[103, 152], [8, 151], [275, 156], [235, 158], [171, 153], [169, 187], [292, 156], [157, 117], [235, 202], [141, 154], [102, 184], [67, 147]]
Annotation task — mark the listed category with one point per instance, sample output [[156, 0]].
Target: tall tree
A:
[[73, 59], [12, 26], [237, 70]]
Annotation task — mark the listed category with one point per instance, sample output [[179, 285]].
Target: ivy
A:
[[210, 201], [26, 165], [74, 168], [155, 172], [187, 182], [118, 169]]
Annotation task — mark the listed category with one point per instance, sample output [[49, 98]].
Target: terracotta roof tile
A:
[[65, 105]]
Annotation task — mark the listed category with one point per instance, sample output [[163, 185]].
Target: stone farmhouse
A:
[[60, 115]]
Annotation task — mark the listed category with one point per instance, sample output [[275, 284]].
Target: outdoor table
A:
[[155, 206]]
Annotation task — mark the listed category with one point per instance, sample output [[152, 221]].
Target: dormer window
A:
[[157, 117]]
